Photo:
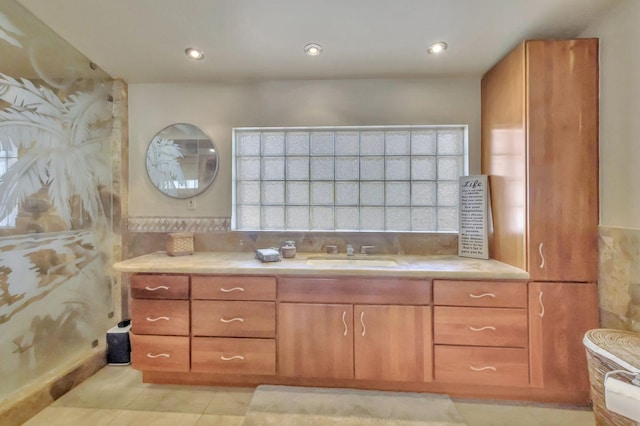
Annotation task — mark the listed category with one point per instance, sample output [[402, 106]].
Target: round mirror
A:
[[182, 161]]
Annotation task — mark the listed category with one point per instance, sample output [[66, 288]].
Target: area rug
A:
[[307, 406]]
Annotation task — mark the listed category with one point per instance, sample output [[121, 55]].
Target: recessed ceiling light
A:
[[313, 49], [438, 47], [194, 53]]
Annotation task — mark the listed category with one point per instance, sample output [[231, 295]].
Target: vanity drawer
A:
[[482, 366], [159, 353], [233, 356], [221, 287], [480, 326], [167, 317], [159, 286], [512, 294], [233, 319]]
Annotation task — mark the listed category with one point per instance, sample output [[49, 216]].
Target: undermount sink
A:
[[360, 261]]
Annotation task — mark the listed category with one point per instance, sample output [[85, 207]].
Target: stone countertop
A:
[[451, 267]]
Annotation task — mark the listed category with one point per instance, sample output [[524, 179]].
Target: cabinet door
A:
[[559, 316], [563, 160], [315, 340], [393, 343]]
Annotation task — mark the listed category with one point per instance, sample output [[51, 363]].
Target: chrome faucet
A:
[[366, 249], [349, 250]]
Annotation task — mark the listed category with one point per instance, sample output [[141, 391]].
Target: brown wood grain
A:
[[226, 287], [160, 353], [159, 286], [168, 317], [233, 318], [503, 294], [233, 356]]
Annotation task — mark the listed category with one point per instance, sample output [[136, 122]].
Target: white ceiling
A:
[[143, 41]]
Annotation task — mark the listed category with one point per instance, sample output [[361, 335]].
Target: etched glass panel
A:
[[372, 193], [347, 193], [248, 192], [372, 218], [347, 143], [298, 193], [423, 142], [372, 143], [397, 168], [450, 142], [447, 219], [248, 168], [398, 219], [298, 168], [423, 219], [321, 193], [321, 143], [322, 168], [272, 192], [449, 168], [273, 143], [347, 168], [322, 218], [397, 143], [273, 217], [423, 193], [273, 168], [298, 217], [448, 193], [398, 193], [248, 143], [423, 168], [297, 143], [347, 218], [372, 168]]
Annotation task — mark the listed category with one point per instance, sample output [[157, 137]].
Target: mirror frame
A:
[[166, 159]]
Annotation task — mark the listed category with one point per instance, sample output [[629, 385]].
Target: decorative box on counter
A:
[[180, 244]]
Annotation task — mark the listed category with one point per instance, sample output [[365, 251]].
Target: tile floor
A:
[[116, 395]]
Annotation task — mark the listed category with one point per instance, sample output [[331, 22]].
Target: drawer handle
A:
[[229, 290], [226, 321], [224, 358], [157, 319], [480, 296], [160, 287], [364, 328], [344, 321], [482, 368], [541, 314], [150, 355], [486, 327], [541, 255]]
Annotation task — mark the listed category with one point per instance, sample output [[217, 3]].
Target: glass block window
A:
[[399, 179], [8, 156]]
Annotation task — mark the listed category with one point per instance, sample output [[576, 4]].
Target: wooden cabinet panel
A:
[[221, 287], [233, 356], [393, 343], [480, 326], [159, 286], [315, 340], [508, 294], [481, 365], [168, 317], [159, 353], [389, 291], [233, 318], [560, 314]]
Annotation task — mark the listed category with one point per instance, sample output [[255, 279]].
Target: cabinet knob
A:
[[231, 358], [151, 319], [488, 367], [226, 321], [229, 290], [150, 355], [160, 287], [486, 327], [480, 296], [541, 255]]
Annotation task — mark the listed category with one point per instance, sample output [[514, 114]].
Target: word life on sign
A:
[[473, 239]]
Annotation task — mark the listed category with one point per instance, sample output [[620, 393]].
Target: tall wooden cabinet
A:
[[540, 151]]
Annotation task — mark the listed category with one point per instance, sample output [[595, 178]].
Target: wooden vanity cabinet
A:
[[480, 332], [160, 322], [539, 118], [233, 324], [364, 337], [560, 314]]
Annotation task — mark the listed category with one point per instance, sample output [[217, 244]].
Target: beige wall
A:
[[217, 108], [619, 35]]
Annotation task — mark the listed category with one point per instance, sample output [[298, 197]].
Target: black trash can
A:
[[118, 345]]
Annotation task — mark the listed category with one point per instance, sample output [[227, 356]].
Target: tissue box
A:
[[610, 350]]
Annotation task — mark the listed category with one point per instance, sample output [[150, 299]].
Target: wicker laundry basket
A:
[[609, 350], [180, 244]]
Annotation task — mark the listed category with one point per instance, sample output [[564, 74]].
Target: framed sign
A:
[[473, 239]]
